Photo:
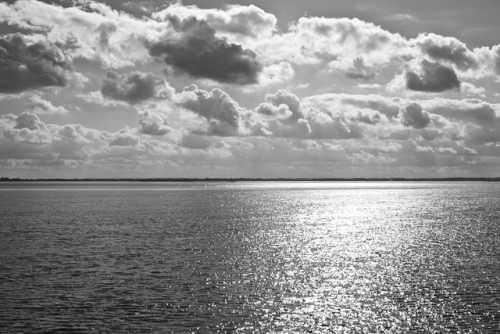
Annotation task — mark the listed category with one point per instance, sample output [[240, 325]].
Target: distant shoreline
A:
[[243, 179]]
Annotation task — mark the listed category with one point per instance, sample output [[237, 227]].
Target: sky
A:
[[213, 88]]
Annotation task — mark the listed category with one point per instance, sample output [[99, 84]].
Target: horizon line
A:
[[245, 179]]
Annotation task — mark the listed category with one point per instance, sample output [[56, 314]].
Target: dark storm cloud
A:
[[26, 66], [450, 49], [413, 115], [434, 78], [132, 88], [199, 53]]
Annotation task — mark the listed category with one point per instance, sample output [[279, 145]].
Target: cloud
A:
[[134, 87], [448, 49], [223, 113], [25, 128], [413, 115], [344, 103], [497, 59], [434, 77], [153, 124], [246, 21], [369, 86], [124, 137], [27, 137], [28, 121], [276, 74], [313, 40], [283, 97], [41, 106], [470, 111], [402, 18], [282, 115], [469, 89], [25, 65], [332, 126], [447, 150], [94, 30], [196, 51], [368, 116], [268, 109], [353, 68], [105, 30]]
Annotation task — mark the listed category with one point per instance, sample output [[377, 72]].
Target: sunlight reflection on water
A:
[[250, 257]]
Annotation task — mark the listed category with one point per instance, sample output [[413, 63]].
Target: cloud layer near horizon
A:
[[87, 90]]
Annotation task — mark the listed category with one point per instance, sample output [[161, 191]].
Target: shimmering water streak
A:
[[250, 257]]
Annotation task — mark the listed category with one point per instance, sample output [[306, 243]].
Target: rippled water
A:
[[250, 257]]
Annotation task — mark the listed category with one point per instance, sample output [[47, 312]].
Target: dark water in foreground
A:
[[250, 257]]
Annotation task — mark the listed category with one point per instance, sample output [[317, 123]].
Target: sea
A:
[[250, 257]]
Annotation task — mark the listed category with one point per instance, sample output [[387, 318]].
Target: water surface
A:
[[268, 257]]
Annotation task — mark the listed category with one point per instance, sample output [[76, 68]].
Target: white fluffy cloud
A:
[[153, 124], [41, 106], [217, 107], [234, 20], [113, 37]]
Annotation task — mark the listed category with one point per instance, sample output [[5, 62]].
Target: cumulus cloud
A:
[[284, 116], [368, 116], [246, 21], [469, 89], [353, 68], [344, 103], [124, 137], [28, 121], [27, 137], [497, 59], [41, 106], [25, 128], [465, 111], [25, 65], [434, 77], [153, 124], [448, 49], [283, 97], [413, 115], [313, 40], [196, 50], [332, 126], [223, 113], [276, 74], [95, 30], [134, 87], [268, 109]]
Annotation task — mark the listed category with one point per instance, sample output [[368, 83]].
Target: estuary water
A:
[[256, 257]]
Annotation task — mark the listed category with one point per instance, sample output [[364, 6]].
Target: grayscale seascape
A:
[[249, 257]]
